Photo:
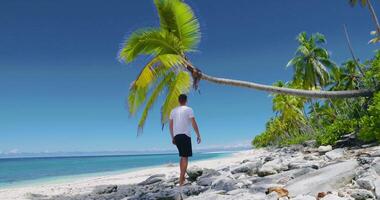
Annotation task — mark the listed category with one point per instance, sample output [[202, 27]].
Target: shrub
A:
[[370, 123]]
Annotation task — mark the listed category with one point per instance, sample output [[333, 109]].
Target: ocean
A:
[[24, 171]]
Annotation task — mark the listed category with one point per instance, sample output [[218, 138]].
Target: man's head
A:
[[182, 99]]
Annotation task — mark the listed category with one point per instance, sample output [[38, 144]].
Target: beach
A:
[[296, 172], [87, 184]]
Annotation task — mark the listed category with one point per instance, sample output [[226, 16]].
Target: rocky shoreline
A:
[[300, 172]]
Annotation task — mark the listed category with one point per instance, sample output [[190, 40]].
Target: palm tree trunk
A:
[[374, 17], [288, 91], [352, 51], [197, 75]]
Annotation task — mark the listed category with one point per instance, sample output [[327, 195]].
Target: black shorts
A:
[[183, 143]]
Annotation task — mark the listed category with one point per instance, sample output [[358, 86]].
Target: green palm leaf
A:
[[136, 98], [150, 42], [177, 17], [181, 84], [157, 90]]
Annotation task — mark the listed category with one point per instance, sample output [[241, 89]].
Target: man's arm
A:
[[196, 129], [171, 130]]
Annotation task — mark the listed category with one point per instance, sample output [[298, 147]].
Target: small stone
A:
[[153, 179], [365, 160], [335, 154], [266, 171], [249, 168], [375, 153], [194, 172], [106, 189], [272, 196], [324, 149], [361, 194], [310, 143], [365, 183], [281, 192], [332, 197], [224, 183]]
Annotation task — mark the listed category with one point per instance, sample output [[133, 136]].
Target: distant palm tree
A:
[[364, 3], [169, 69], [311, 62], [345, 77]]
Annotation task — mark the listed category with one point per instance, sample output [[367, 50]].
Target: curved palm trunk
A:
[[352, 50], [288, 91], [374, 17]]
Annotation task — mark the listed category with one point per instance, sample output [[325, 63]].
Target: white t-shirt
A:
[[181, 117]]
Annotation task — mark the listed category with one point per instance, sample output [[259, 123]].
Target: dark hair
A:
[[182, 98]]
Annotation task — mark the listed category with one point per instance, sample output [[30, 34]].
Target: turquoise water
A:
[[16, 171]]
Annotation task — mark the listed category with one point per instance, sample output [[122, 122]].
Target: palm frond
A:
[[136, 98], [153, 97], [156, 67], [151, 41], [177, 17], [181, 84]]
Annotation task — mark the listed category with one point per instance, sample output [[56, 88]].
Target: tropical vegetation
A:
[[323, 101], [170, 72]]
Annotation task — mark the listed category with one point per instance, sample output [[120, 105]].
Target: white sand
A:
[[85, 185]]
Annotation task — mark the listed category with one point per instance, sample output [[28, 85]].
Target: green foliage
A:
[[311, 61], [326, 121], [370, 124], [335, 130], [166, 46]]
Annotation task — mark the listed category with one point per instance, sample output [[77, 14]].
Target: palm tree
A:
[[169, 69], [364, 3], [345, 77], [311, 62]]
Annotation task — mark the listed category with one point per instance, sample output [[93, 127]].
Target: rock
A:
[[281, 192], [312, 157], [366, 183], [335, 154], [191, 190], [363, 160], [376, 183], [205, 181], [249, 168], [375, 153], [332, 197], [209, 172], [34, 196], [361, 194], [237, 191], [105, 189], [310, 143], [266, 171], [325, 179], [224, 183], [153, 179], [268, 158], [207, 177], [272, 167], [348, 140], [167, 194], [303, 164], [194, 172], [303, 197], [324, 149], [272, 196], [376, 165]]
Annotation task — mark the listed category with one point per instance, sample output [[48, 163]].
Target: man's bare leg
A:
[[183, 167]]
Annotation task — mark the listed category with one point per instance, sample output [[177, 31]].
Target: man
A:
[[181, 118]]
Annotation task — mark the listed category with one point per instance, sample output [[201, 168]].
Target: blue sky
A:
[[62, 88]]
